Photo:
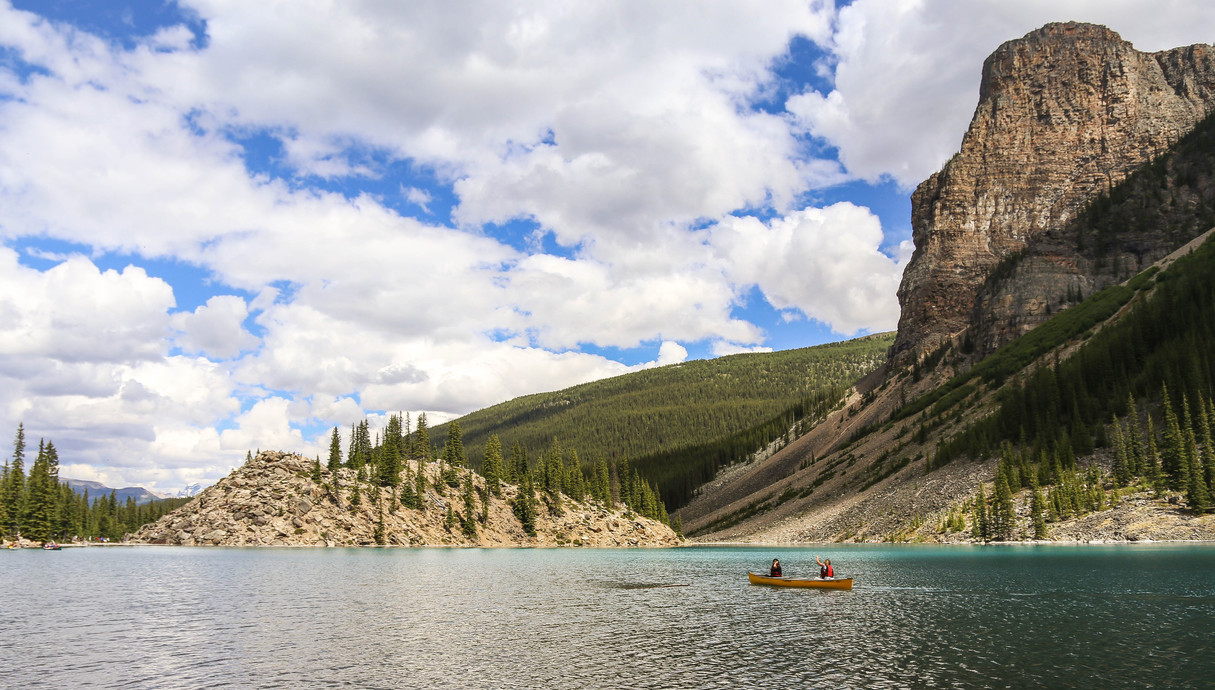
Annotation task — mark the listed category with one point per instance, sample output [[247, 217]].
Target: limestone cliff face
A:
[[1064, 113], [272, 500]]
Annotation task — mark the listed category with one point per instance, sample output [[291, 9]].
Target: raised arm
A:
[[816, 558]]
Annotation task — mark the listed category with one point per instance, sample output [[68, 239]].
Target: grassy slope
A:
[[675, 421]]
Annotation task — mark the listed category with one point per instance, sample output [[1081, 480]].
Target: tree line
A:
[[678, 425], [37, 506], [1162, 352], [398, 456]]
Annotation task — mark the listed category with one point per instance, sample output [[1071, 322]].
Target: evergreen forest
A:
[[1138, 388], [677, 425], [1142, 389], [37, 506]]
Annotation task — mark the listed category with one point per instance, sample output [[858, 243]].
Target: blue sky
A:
[[227, 225]]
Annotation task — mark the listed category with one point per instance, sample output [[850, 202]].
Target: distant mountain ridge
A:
[[97, 490]]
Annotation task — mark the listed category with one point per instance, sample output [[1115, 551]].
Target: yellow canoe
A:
[[813, 582]]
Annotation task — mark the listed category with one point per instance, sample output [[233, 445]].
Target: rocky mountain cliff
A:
[[1064, 113], [1086, 162], [274, 500]]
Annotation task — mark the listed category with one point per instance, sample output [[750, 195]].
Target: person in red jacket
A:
[[775, 570], [825, 570]]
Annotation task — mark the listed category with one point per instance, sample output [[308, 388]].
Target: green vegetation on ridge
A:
[[678, 424]]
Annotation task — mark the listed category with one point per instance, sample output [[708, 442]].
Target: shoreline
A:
[[1043, 542], [687, 544]]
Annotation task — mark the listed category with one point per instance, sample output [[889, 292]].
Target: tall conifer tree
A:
[[455, 445], [491, 469], [1172, 449], [1003, 518], [1037, 516], [1122, 469], [14, 489], [980, 530], [335, 451], [390, 463], [421, 441]]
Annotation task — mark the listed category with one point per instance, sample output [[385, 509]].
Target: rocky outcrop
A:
[[273, 500], [1064, 113]]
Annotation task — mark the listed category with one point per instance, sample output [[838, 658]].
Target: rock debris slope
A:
[[272, 500]]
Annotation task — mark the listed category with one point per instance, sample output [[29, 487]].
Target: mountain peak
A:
[[1064, 113]]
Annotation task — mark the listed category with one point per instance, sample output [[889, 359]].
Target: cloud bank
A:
[[439, 207]]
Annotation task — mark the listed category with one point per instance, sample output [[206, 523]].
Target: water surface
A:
[[933, 617]]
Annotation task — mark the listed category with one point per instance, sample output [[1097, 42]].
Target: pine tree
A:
[[1208, 446], [491, 469], [981, 528], [468, 520], [637, 500], [454, 450], [4, 506], [421, 441], [470, 500], [1172, 451], [1198, 498], [419, 480], [1037, 510], [394, 435], [1134, 436], [409, 494], [601, 486], [624, 487], [41, 493], [66, 520], [1151, 456], [316, 471], [483, 492], [1003, 517], [524, 506], [574, 482], [390, 464], [517, 467], [14, 486], [378, 534], [352, 448], [1122, 469], [553, 469], [335, 451]]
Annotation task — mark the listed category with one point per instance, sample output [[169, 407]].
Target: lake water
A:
[[932, 617]]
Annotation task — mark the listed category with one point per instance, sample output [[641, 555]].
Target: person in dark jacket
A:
[[775, 570]]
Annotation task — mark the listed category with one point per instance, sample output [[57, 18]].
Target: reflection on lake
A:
[[1017, 616]]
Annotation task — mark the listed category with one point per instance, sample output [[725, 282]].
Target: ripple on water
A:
[[439, 618]]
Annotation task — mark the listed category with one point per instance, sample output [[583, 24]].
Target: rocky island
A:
[[274, 499]]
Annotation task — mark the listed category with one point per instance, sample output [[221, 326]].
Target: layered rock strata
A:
[[1064, 113]]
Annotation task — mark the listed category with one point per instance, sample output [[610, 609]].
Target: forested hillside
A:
[[677, 425], [1109, 398], [1142, 387]]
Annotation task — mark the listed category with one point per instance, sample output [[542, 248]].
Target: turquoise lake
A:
[[919, 616]]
